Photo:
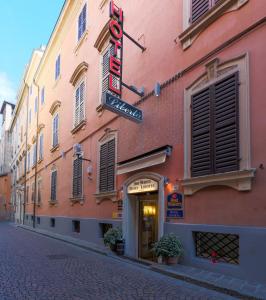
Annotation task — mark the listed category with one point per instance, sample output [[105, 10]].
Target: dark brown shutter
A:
[[201, 152], [53, 185], [226, 125], [111, 165], [77, 178], [103, 167], [107, 166], [199, 8]]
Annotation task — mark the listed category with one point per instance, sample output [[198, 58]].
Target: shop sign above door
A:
[[142, 186]]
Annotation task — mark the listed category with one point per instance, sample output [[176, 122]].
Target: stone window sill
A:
[[238, 180], [54, 148], [52, 203], [81, 40], [78, 127], [100, 196], [191, 33], [76, 199]]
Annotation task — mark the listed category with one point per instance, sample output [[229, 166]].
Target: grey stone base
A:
[[90, 229], [252, 249]]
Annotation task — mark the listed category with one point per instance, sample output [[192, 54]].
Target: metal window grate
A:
[[219, 246]]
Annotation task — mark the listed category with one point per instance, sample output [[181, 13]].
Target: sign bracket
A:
[[134, 41], [132, 89]]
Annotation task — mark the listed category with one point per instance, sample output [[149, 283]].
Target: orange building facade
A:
[[194, 164]]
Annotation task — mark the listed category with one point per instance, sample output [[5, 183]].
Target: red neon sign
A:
[[115, 62]]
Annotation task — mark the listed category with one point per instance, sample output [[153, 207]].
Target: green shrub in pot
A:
[[111, 237], [169, 247]]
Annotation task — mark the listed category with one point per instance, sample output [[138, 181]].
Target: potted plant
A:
[[112, 236], [169, 248]]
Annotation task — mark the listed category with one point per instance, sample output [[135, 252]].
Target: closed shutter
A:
[[77, 178], [226, 125], [105, 70], [53, 185], [55, 131], [82, 21], [77, 106], [39, 192], [81, 101], [41, 147], [107, 166], [33, 192], [199, 8], [215, 128], [201, 160]]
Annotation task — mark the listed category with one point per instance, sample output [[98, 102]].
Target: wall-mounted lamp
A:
[[89, 172], [157, 89], [166, 180]]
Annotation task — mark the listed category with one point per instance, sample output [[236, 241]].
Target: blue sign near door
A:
[[175, 205]]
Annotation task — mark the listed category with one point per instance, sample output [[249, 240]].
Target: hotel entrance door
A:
[[148, 224]]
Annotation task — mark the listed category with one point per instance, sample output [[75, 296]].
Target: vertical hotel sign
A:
[[112, 98], [116, 61]]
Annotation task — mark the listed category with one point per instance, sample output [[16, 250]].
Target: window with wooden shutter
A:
[[200, 7], [215, 128], [79, 104], [27, 194], [55, 130], [105, 69], [39, 192], [33, 192], [82, 21], [41, 147], [107, 166], [53, 185], [77, 178]]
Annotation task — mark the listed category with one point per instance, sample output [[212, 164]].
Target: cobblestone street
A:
[[37, 267]]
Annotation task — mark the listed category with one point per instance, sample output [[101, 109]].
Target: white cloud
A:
[[7, 90]]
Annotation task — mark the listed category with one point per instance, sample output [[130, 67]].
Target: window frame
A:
[[51, 184], [83, 80], [106, 138], [216, 71], [82, 180], [55, 115], [57, 67], [80, 36]]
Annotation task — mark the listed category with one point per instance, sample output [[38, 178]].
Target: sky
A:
[[24, 26]]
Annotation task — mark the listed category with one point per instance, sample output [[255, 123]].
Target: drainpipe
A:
[[37, 143], [26, 155]]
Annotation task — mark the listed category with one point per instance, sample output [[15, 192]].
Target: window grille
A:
[[222, 247]]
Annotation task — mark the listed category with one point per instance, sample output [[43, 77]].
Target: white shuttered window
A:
[[79, 110]]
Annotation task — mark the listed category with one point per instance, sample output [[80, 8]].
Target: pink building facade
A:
[[195, 163]]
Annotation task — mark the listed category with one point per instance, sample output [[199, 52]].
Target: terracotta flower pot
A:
[[171, 260], [113, 247]]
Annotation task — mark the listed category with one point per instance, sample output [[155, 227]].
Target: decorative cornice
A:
[[54, 106], [80, 69], [81, 125], [238, 180], [102, 37], [188, 36], [40, 127]]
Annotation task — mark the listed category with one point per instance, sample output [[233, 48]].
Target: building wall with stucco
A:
[[183, 58]]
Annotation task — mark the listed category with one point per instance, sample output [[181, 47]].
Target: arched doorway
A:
[[143, 213]]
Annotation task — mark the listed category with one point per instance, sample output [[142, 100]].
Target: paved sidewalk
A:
[[236, 287]]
